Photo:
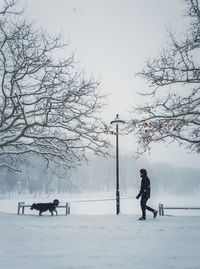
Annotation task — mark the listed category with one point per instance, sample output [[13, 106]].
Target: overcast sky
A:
[[111, 40]]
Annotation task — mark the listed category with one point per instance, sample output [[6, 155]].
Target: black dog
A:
[[42, 207]]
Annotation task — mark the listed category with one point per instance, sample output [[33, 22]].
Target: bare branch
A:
[[172, 113], [47, 106]]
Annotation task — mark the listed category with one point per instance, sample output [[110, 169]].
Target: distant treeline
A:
[[99, 175]]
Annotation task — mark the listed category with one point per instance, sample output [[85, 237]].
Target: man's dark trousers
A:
[[143, 203]]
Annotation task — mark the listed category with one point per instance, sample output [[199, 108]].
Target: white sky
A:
[[111, 40]]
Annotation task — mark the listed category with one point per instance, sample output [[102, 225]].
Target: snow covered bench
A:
[[161, 208], [22, 206]]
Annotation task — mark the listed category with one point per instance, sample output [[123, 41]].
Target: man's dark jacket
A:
[[145, 188]]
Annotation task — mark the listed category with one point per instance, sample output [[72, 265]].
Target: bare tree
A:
[[9, 7], [171, 107], [47, 106]]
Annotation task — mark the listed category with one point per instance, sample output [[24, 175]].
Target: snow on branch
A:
[[48, 106], [172, 112]]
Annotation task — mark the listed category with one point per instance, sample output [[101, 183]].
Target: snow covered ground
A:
[[83, 240]]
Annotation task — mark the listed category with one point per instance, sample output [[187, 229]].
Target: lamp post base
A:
[[117, 202]]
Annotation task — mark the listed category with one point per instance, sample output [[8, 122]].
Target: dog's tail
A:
[[56, 202]]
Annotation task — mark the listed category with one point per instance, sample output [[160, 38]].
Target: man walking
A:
[[145, 190]]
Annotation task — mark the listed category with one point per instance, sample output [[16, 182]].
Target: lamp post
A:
[[117, 122]]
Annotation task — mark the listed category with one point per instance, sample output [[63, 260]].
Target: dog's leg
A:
[[56, 212], [51, 212], [40, 214]]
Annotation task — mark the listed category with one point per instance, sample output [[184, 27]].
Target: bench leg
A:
[[18, 210], [67, 212], [161, 210]]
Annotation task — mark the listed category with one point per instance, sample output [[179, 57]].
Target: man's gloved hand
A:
[[138, 196]]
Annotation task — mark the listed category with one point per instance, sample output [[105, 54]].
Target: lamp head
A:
[[117, 121]]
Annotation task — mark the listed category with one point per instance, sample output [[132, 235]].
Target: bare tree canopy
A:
[[171, 107], [47, 106]]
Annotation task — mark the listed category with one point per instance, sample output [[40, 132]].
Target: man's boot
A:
[[155, 212], [142, 218]]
